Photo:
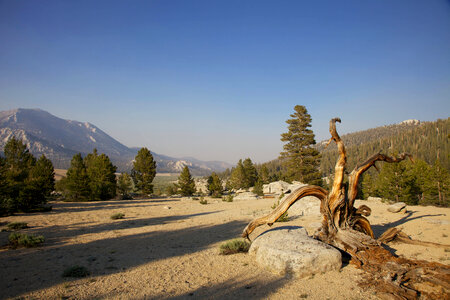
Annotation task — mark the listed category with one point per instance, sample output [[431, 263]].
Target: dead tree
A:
[[347, 228]]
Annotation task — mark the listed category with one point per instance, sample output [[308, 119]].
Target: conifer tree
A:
[[102, 178], [237, 177], [264, 175], [250, 174], [124, 185], [38, 185], [215, 185], [396, 183], [301, 159], [186, 182], [144, 171], [258, 188], [77, 180]]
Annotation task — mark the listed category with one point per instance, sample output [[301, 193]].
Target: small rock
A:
[[289, 249], [397, 207], [167, 207]]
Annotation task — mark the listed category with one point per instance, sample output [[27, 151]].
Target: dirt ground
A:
[[169, 249]]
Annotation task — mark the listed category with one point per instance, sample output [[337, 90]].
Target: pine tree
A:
[[102, 178], [125, 185], [144, 171], [440, 184], [237, 177], [301, 159], [215, 185], [258, 188], [395, 182], [38, 185], [186, 182], [250, 174], [77, 180], [264, 175], [18, 163]]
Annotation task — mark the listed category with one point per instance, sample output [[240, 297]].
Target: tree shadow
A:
[[233, 289], [57, 234], [27, 270], [64, 207], [378, 229]]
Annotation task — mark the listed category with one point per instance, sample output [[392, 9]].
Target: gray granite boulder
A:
[[289, 249], [397, 207], [306, 206]]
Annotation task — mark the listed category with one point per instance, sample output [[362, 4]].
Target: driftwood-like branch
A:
[[397, 235], [361, 168], [310, 190]]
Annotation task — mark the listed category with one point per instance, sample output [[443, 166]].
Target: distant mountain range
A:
[[60, 139]]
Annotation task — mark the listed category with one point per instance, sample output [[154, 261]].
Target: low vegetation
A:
[[17, 225], [117, 216], [203, 201], [17, 240], [234, 246], [228, 198], [76, 271]]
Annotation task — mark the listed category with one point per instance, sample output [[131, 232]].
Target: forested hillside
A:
[[428, 141]]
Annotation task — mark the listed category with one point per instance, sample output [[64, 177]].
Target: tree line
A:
[[27, 183]]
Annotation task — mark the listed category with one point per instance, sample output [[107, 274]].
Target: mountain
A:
[[428, 141], [60, 139]]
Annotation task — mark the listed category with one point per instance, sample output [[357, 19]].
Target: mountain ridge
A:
[[60, 139]]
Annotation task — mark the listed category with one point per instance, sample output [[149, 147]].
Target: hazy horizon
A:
[[217, 80]]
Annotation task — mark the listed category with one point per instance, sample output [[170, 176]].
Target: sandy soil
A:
[[161, 253]]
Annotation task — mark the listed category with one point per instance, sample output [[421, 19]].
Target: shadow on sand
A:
[[20, 270], [379, 229]]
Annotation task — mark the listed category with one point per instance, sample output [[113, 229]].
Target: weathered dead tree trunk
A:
[[347, 228]]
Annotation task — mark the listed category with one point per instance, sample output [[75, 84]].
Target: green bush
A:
[[24, 240], [76, 271], [203, 201], [118, 216], [17, 225], [234, 246], [228, 198], [284, 217]]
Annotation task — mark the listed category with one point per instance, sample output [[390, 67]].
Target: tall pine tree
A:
[[144, 171], [215, 185], [102, 178], [301, 159], [77, 180], [186, 182]]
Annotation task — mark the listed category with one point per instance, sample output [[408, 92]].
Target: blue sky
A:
[[217, 79]]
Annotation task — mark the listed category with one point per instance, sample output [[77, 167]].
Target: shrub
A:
[[76, 271], [234, 246], [284, 217], [203, 201], [118, 216], [24, 240], [17, 225], [228, 198]]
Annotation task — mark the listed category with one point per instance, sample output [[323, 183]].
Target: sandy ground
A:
[[161, 253]]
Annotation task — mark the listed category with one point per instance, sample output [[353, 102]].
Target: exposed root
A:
[[271, 218]]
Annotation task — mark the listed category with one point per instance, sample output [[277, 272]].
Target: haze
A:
[[216, 80]]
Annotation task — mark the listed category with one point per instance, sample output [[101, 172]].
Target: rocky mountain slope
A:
[[60, 139]]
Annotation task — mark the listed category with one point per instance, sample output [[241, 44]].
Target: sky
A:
[[216, 80]]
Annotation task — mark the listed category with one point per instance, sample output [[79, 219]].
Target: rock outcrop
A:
[[289, 249]]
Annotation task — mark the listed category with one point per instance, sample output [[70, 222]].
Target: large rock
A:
[[397, 207], [306, 206], [289, 249], [277, 187], [245, 196]]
